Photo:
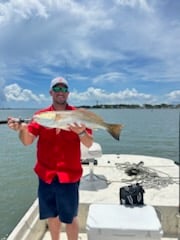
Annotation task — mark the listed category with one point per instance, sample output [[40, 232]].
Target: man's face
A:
[[59, 93]]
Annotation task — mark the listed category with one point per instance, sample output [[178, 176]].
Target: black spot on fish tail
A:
[[115, 130]]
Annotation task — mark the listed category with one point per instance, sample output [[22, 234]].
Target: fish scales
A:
[[62, 120]]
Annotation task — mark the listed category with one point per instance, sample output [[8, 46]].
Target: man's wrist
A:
[[82, 134]]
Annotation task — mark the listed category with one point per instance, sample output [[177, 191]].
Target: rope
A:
[[148, 177]]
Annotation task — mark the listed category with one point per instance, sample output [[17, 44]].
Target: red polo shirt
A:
[[57, 154]]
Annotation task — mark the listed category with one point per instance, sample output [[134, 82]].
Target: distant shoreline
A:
[[115, 106]]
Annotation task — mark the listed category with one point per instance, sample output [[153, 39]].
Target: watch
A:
[[82, 134]]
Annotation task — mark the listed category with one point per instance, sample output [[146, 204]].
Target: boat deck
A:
[[159, 177], [101, 183], [83, 236]]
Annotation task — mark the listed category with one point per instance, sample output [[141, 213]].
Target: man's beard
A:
[[63, 102]]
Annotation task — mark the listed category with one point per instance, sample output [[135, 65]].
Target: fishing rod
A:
[[19, 120]]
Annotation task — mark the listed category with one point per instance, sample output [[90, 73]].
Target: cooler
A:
[[118, 222]]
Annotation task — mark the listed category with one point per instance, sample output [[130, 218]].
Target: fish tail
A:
[[114, 130]]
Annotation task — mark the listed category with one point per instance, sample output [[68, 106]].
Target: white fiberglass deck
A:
[[111, 168], [161, 190], [83, 236]]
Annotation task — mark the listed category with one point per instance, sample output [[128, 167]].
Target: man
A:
[[58, 163]]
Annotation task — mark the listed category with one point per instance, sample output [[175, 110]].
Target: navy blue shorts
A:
[[58, 199]]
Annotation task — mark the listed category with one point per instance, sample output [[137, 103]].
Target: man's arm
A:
[[86, 138], [25, 136]]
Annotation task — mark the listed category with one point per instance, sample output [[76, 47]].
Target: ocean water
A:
[[145, 132]]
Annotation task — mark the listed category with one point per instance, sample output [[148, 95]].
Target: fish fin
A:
[[58, 130], [90, 115], [114, 130]]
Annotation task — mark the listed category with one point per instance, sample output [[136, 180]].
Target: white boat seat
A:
[[92, 181], [94, 151]]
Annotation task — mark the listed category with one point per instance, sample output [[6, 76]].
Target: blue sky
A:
[[111, 52]]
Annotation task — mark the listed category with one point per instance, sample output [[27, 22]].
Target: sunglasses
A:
[[60, 89]]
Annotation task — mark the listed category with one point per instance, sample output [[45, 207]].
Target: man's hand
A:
[[77, 128], [15, 124]]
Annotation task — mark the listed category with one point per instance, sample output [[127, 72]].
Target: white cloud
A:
[[81, 32], [94, 95], [15, 93], [109, 77], [134, 3], [174, 96], [18, 10], [63, 27], [99, 41]]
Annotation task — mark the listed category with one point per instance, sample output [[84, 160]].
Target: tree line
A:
[[134, 106]]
